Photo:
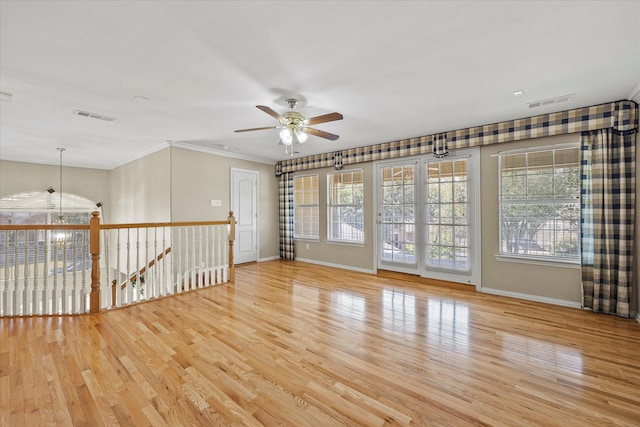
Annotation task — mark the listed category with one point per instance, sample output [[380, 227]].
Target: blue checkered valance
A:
[[620, 116]]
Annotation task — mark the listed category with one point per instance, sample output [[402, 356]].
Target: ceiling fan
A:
[[294, 127]]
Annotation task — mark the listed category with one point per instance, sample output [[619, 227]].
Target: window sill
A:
[[307, 239], [346, 243], [562, 263]]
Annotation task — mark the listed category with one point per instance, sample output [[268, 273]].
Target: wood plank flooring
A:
[[303, 345]]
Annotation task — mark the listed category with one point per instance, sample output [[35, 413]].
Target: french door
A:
[[428, 217], [396, 216]]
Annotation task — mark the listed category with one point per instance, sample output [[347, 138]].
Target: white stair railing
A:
[[74, 269], [147, 261]]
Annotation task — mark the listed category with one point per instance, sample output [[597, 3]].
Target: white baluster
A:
[[46, 283], [151, 280], [177, 242], [139, 291], [71, 289], [63, 288], [129, 284], [85, 289], [4, 280], [36, 277], [196, 256], [26, 275], [165, 261], [118, 270], [105, 290], [12, 280]]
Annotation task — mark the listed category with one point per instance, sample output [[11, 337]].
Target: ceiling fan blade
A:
[[248, 130], [269, 111], [321, 133], [324, 118]]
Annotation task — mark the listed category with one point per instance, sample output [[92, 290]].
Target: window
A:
[[36, 246], [398, 207], [540, 203], [447, 207], [306, 207], [345, 206]]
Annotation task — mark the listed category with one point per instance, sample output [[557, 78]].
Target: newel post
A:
[[232, 237], [94, 248]]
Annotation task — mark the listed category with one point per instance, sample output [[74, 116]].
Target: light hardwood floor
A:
[[303, 345]]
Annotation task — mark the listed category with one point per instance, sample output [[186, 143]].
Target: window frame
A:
[[332, 205], [454, 222], [297, 236], [554, 259]]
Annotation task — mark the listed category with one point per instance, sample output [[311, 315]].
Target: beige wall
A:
[[198, 178], [539, 281], [561, 283], [140, 189], [358, 257], [92, 184], [172, 184]]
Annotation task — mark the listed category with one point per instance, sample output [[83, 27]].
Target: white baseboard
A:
[[270, 258], [329, 264], [529, 297]]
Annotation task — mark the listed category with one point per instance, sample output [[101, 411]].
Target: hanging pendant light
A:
[[61, 235]]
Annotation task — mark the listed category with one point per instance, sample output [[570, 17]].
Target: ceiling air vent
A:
[[93, 115], [550, 101]]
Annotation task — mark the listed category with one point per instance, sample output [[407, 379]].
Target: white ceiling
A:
[[394, 69]]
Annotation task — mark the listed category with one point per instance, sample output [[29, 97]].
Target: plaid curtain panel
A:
[[440, 148], [337, 160], [607, 220], [285, 196]]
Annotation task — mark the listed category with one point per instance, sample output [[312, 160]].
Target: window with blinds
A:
[[345, 206], [306, 207], [540, 202]]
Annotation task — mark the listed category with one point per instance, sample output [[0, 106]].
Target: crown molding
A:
[[221, 153], [141, 155]]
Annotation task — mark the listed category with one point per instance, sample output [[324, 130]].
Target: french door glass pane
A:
[[398, 214], [447, 226]]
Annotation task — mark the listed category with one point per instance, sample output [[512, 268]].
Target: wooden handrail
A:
[[123, 285], [144, 269], [151, 264], [49, 226], [159, 224]]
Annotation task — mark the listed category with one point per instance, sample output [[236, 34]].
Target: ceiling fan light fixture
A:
[[286, 136], [294, 128], [301, 136]]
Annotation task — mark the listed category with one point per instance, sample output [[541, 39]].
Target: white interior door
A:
[[245, 208]]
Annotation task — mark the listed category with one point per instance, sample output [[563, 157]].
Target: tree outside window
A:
[[540, 203], [345, 205]]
